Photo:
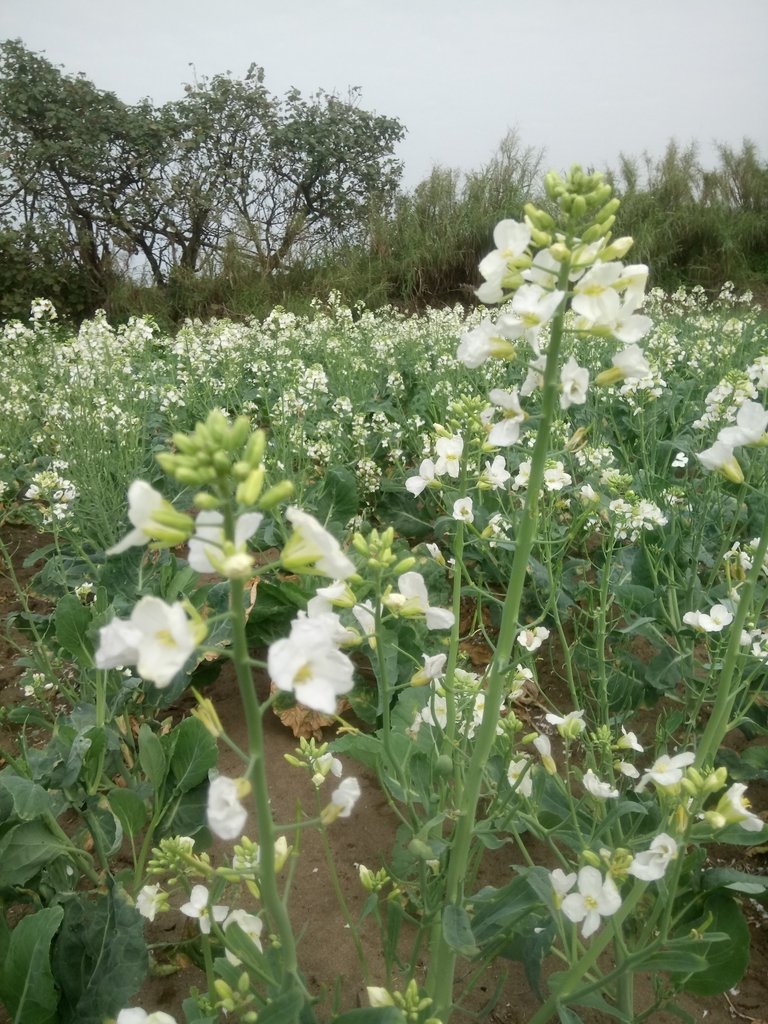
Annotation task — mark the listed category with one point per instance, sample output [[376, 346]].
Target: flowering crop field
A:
[[569, 511]]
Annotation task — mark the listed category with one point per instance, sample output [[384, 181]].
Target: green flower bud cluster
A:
[[176, 856], [236, 999], [590, 208], [218, 454], [372, 881], [376, 548]]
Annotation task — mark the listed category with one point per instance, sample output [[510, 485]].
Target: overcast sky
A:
[[584, 79]]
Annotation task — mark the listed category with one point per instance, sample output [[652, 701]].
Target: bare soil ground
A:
[[326, 949]]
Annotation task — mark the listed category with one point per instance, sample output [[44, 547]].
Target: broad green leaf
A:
[[738, 881], [130, 809], [25, 849], [72, 622], [100, 957], [283, 1009], [26, 981], [194, 754], [457, 930], [726, 962], [30, 801], [152, 757]]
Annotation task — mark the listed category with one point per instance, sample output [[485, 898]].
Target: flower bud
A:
[[420, 849], [184, 443], [617, 250], [379, 997], [254, 450], [367, 878], [237, 434], [248, 491], [279, 492], [592, 858], [206, 501], [578, 208], [560, 252], [715, 781], [241, 469], [404, 565], [206, 713]]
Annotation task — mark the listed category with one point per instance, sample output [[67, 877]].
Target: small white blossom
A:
[[226, 815], [597, 897]]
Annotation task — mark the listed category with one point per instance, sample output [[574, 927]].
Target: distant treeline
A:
[[230, 201]]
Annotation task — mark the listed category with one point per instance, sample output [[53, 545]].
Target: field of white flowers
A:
[[574, 483]]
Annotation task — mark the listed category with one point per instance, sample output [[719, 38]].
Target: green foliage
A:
[[99, 957], [26, 980]]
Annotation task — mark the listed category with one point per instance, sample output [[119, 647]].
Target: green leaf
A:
[[151, 757], [25, 849], [72, 622], [457, 930], [130, 810], [284, 1009], [738, 881], [194, 754], [726, 961], [30, 801], [26, 981], [100, 957]]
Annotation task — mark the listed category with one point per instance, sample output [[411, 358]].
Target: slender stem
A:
[[440, 976]]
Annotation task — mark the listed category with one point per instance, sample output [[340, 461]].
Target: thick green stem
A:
[[717, 726], [443, 962], [257, 775]]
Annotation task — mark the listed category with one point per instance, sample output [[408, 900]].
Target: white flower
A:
[[523, 476], [505, 433], [627, 769], [569, 726], [226, 815], [680, 461], [519, 776], [751, 424], [598, 789], [629, 741], [631, 362], [449, 451], [733, 808], [345, 796], [574, 381], [562, 884], [534, 378], [149, 900], [531, 308], [158, 639], [718, 618], [544, 747], [666, 771], [143, 502], [413, 588], [484, 341], [248, 923], [434, 665], [720, 457], [462, 510], [651, 865], [365, 616], [312, 544], [555, 477], [435, 712], [532, 639], [198, 907], [118, 644], [511, 239], [495, 474], [416, 484], [209, 537], [307, 664], [596, 898], [136, 1015]]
